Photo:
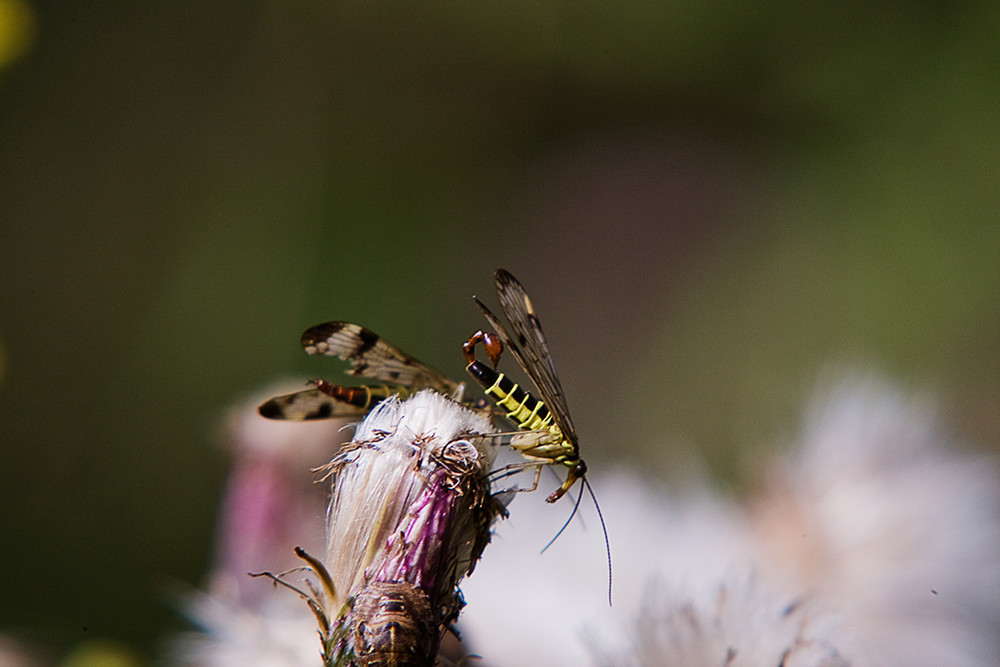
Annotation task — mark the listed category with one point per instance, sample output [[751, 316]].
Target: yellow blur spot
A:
[[101, 653], [18, 25]]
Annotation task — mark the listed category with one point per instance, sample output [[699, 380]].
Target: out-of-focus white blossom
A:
[[271, 503], [875, 543], [275, 632], [879, 515], [686, 591], [551, 609], [740, 623]]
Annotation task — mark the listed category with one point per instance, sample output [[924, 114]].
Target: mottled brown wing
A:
[[373, 357], [308, 404]]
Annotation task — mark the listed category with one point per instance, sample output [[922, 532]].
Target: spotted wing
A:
[[306, 405], [373, 357], [530, 348]]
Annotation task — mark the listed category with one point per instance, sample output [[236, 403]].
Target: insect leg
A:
[[515, 468]]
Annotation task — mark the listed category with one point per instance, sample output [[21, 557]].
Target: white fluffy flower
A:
[[383, 472]]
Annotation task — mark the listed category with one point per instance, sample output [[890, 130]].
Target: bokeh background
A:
[[712, 204]]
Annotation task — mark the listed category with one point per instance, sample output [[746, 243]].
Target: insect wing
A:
[[530, 348], [306, 405], [373, 357]]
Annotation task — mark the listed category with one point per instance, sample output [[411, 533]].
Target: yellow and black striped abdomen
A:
[[522, 408]]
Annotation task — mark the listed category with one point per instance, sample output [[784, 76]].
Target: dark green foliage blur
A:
[[711, 203]]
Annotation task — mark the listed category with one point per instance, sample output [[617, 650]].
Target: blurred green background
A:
[[710, 203]]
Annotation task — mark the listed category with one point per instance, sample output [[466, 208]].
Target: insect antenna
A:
[[604, 529], [572, 514]]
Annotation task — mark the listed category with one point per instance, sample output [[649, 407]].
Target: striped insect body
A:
[[525, 410], [549, 435]]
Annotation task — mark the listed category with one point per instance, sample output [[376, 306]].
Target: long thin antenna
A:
[[572, 514], [604, 530], [607, 542]]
